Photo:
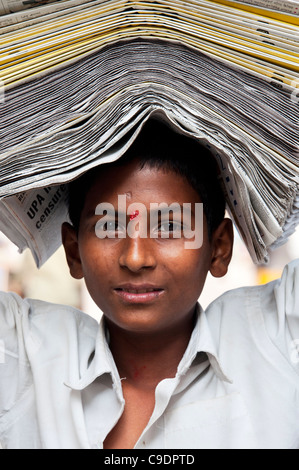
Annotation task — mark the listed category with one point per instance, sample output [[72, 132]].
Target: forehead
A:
[[145, 184]]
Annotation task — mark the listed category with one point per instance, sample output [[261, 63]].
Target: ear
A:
[[222, 248], [71, 248]]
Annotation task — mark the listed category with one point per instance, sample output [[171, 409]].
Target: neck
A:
[[144, 359]]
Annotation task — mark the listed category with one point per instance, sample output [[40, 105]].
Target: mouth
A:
[[138, 293]]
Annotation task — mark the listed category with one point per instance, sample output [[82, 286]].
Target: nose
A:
[[137, 254]]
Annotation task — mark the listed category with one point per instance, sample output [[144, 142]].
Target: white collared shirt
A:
[[237, 385]]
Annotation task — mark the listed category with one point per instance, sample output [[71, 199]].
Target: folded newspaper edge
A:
[[33, 218]]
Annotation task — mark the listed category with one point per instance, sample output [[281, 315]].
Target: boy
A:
[[158, 372]]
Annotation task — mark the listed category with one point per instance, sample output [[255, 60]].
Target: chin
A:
[[141, 323]]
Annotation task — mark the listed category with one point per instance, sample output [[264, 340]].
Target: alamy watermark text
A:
[[164, 221]]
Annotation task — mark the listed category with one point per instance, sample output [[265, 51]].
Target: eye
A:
[[109, 228], [170, 229]]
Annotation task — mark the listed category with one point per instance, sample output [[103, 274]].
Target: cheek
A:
[[98, 276], [96, 260], [189, 266]]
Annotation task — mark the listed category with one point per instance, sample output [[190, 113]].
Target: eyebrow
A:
[[91, 213], [166, 210], [161, 210]]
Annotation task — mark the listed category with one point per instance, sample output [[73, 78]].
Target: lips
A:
[[140, 293]]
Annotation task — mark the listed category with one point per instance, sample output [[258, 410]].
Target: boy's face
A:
[[142, 284]]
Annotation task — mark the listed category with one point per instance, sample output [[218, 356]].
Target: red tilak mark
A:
[[135, 213]]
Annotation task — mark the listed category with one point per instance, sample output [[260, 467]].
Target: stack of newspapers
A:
[[78, 79]]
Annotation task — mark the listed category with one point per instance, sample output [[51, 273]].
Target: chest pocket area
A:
[[220, 423]]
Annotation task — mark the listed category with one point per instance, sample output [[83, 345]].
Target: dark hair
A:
[[159, 146]]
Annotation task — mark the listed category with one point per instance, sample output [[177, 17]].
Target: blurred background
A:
[[53, 282]]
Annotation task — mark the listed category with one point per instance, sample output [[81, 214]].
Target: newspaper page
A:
[[36, 217], [282, 10], [12, 6], [287, 6]]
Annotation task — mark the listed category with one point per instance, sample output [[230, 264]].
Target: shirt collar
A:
[[201, 341], [102, 361]]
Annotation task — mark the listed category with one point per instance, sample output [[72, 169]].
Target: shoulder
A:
[[48, 313], [12, 304], [229, 314], [281, 294], [69, 329], [264, 316], [32, 321]]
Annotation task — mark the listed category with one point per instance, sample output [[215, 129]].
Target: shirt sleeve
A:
[[15, 374], [280, 306]]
